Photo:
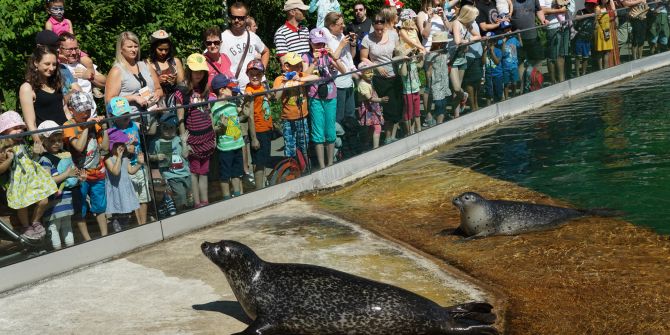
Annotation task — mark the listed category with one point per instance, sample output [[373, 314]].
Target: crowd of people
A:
[[343, 87]]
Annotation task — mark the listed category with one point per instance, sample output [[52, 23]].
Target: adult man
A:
[[234, 42], [70, 57], [523, 18], [291, 36], [361, 26], [489, 19]]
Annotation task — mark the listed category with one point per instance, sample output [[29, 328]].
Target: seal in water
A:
[[285, 298], [481, 217]]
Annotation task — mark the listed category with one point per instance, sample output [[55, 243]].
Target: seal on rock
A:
[[481, 217], [285, 298]]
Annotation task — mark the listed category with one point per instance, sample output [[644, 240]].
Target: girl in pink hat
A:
[[29, 183]]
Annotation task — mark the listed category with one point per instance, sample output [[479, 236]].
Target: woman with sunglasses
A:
[[378, 48], [217, 62]]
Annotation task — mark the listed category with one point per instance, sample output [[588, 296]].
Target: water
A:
[[606, 148]]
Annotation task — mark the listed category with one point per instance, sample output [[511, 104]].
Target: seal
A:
[[481, 217], [285, 298]]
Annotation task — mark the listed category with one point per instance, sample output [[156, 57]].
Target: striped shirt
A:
[[289, 38], [60, 205]]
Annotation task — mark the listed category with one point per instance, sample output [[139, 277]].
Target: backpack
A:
[[536, 79], [287, 169]]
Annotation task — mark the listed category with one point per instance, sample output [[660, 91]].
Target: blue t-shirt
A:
[[510, 60], [495, 70]]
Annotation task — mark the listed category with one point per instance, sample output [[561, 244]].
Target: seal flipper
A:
[[473, 313], [259, 327]]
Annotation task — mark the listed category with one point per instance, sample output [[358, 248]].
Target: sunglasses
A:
[[238, 18], [208, 43]]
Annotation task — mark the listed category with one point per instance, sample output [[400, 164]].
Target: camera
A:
[[436, 10]]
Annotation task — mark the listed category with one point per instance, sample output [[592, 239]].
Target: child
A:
[[438, 66], [585, 28], [510, 62], [195, 124], [58, 214], [86, 145], [170, 153], [29, 184], [260, 127], [369, 111], [505, 8], [493, 77], [57, 22], [229, 141], [121, 197], [120, 106], [409, 38], [409, 74], [323, 96], [294, 104]]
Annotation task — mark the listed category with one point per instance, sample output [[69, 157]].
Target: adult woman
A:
[[164, 65], [345, 50], [463, 32], [604, 42], [41, 96], [378, 48], [130, 77], [217, 62]]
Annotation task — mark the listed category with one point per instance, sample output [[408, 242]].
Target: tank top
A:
[[436, 25], [131, 84], [49, 106]]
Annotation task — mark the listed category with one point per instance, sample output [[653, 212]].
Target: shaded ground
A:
[[592, 276]]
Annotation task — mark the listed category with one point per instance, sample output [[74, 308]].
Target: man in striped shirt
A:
[[291, 36]]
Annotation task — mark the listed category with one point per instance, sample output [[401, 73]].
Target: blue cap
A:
[[220, 81], [505, 25], [169, 118], [118, 106]]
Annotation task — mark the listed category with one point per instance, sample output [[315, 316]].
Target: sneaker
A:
[[249, 178], [39, 229], [169, 205], [30, 234], [116, 226], [464, 100]]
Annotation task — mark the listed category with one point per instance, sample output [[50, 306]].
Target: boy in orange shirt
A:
[[260, 128]]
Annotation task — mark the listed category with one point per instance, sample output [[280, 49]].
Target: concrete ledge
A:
[[349, 170]]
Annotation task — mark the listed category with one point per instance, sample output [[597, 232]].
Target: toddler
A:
[[510, 62], [58, 163], [493, 77], [409, 74], [57, 22], [121, 197], [409, 38], [169, 151], [438, 66], [370, 111], [29, 184]]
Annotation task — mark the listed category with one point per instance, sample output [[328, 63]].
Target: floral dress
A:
[[369, 113], [29, 182]]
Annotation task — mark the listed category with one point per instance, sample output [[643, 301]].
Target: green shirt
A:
[[232, 139]]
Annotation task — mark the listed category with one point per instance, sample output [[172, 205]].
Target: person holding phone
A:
[[165, 65]]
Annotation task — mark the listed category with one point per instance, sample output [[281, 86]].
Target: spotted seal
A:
[[284, 298], [481, 217]]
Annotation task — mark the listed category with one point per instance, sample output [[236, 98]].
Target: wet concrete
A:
[[171, 288]]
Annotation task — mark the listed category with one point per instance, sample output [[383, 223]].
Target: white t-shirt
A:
[[233, 47], [85, 84], [345, 57], [436, 25], [502, 6], [552, 18]]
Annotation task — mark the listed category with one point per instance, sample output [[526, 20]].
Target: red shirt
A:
[[221, 66]]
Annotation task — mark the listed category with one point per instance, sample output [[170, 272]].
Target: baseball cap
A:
[[291, 58], [256, 64], [197, 62], [293, 4], [10, 119], [317, 36], [159, 35], [115, 136], [118, 106], [49, 124], [47, 38], [80, 102], [221, 80], [169, 119]]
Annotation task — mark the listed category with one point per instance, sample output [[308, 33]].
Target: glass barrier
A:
[[67, 184]]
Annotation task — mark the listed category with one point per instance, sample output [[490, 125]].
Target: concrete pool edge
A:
[[39, 268]]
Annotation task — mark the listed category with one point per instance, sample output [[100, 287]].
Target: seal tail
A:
[[472, 318]]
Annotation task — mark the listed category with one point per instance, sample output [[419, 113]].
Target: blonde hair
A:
[[126, 36], [390, 15], [408, 24], [467, 14]]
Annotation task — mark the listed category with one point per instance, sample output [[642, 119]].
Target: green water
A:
[[606, 148]]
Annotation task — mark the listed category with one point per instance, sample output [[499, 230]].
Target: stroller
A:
[[19, 248]]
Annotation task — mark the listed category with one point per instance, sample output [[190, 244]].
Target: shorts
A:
[[494, 87], [411, 106], [261, 157], [231, 164], [440, 106], [531, 50], [558, 43], [510, 75], [659, 29], [639, 32], [180, 187], [392, 88], [346, 104], [141, 185], [582, 48], [322, 114], [97, 198], [296, 135], [198, 166], [474, 73]]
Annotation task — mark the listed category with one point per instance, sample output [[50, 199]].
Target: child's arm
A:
[[7, 163], [79, 144], [59, 178], [48, 26], [115, 167], [510, 3], [70, 30], [404, 35], [252, 124], [222, 126], [494, 57], [134, 168]]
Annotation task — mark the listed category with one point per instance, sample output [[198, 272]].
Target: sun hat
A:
[[440, 37], [10, 119], [256, 64], [293, 4], [47, 125], [47, 37], [291, 58], [407, 14], [80, 102], [159, 35], [221, 80], [115, 136], [118, 106], [316, 35], [197, 62]]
